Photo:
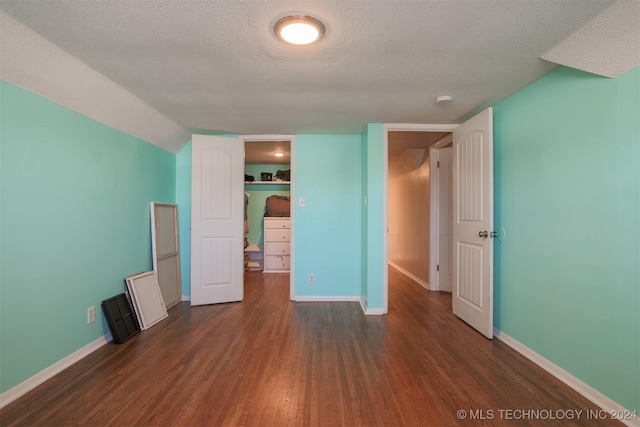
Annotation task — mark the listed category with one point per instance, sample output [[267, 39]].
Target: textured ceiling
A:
[[217, 66], [608, 45]]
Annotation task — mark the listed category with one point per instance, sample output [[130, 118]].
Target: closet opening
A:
[[268, 193]]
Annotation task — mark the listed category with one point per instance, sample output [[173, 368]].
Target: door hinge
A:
[[438, 164], [438, 267]]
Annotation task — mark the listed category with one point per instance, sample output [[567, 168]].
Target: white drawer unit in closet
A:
[[277, 244]]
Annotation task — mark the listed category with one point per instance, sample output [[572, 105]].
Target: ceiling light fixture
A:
[[278, 154], [444, 98], [299, 29]]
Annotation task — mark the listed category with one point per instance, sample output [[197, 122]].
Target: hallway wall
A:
[[409, 212]]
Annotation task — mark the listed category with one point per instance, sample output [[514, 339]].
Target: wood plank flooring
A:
[[270, 362]]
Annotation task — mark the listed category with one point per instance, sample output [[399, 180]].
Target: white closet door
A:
[[217, 215]]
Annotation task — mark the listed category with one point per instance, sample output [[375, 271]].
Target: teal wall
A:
[[327, 230], [567, 174], [74, 222], [258, 198], [375, 210]]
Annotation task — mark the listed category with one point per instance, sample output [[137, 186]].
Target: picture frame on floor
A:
[[146, 298]]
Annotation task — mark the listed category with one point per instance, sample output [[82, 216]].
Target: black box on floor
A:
[[120, 318]]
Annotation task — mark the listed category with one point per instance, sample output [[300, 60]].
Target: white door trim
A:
[[435, 223], [292, 258], [386, 128], [434, 180]]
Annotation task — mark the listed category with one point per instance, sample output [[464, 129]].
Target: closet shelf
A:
[[267, 182]]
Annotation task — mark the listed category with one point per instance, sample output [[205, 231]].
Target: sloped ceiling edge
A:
[[608, 45], [31, 62]]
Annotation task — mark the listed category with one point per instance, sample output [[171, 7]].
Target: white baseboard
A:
[[29, 384], [321, 298], [370, 311], [186, 297], [409, 275], [608, 405]]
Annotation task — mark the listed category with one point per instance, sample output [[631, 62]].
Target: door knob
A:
[[493, 234], [483, 234]]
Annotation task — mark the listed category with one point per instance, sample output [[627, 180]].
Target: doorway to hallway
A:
[[418, 209]]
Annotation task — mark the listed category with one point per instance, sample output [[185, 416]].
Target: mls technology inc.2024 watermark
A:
[[545, 414]]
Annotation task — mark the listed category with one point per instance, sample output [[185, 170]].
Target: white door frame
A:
[[292, 140], [390, 127], [434, 220]]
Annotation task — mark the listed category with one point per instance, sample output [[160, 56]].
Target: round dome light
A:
[[299, 29]]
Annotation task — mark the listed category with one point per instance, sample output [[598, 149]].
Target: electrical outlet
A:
[[91, 314], [312, 278]]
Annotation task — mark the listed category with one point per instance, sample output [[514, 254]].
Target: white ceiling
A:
[[608, 45], [217, 66]]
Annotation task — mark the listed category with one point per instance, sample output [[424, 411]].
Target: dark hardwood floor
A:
[[270, 362]]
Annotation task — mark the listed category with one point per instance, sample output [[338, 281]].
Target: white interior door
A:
[[217, 215], [445, 220], [473, 222]]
